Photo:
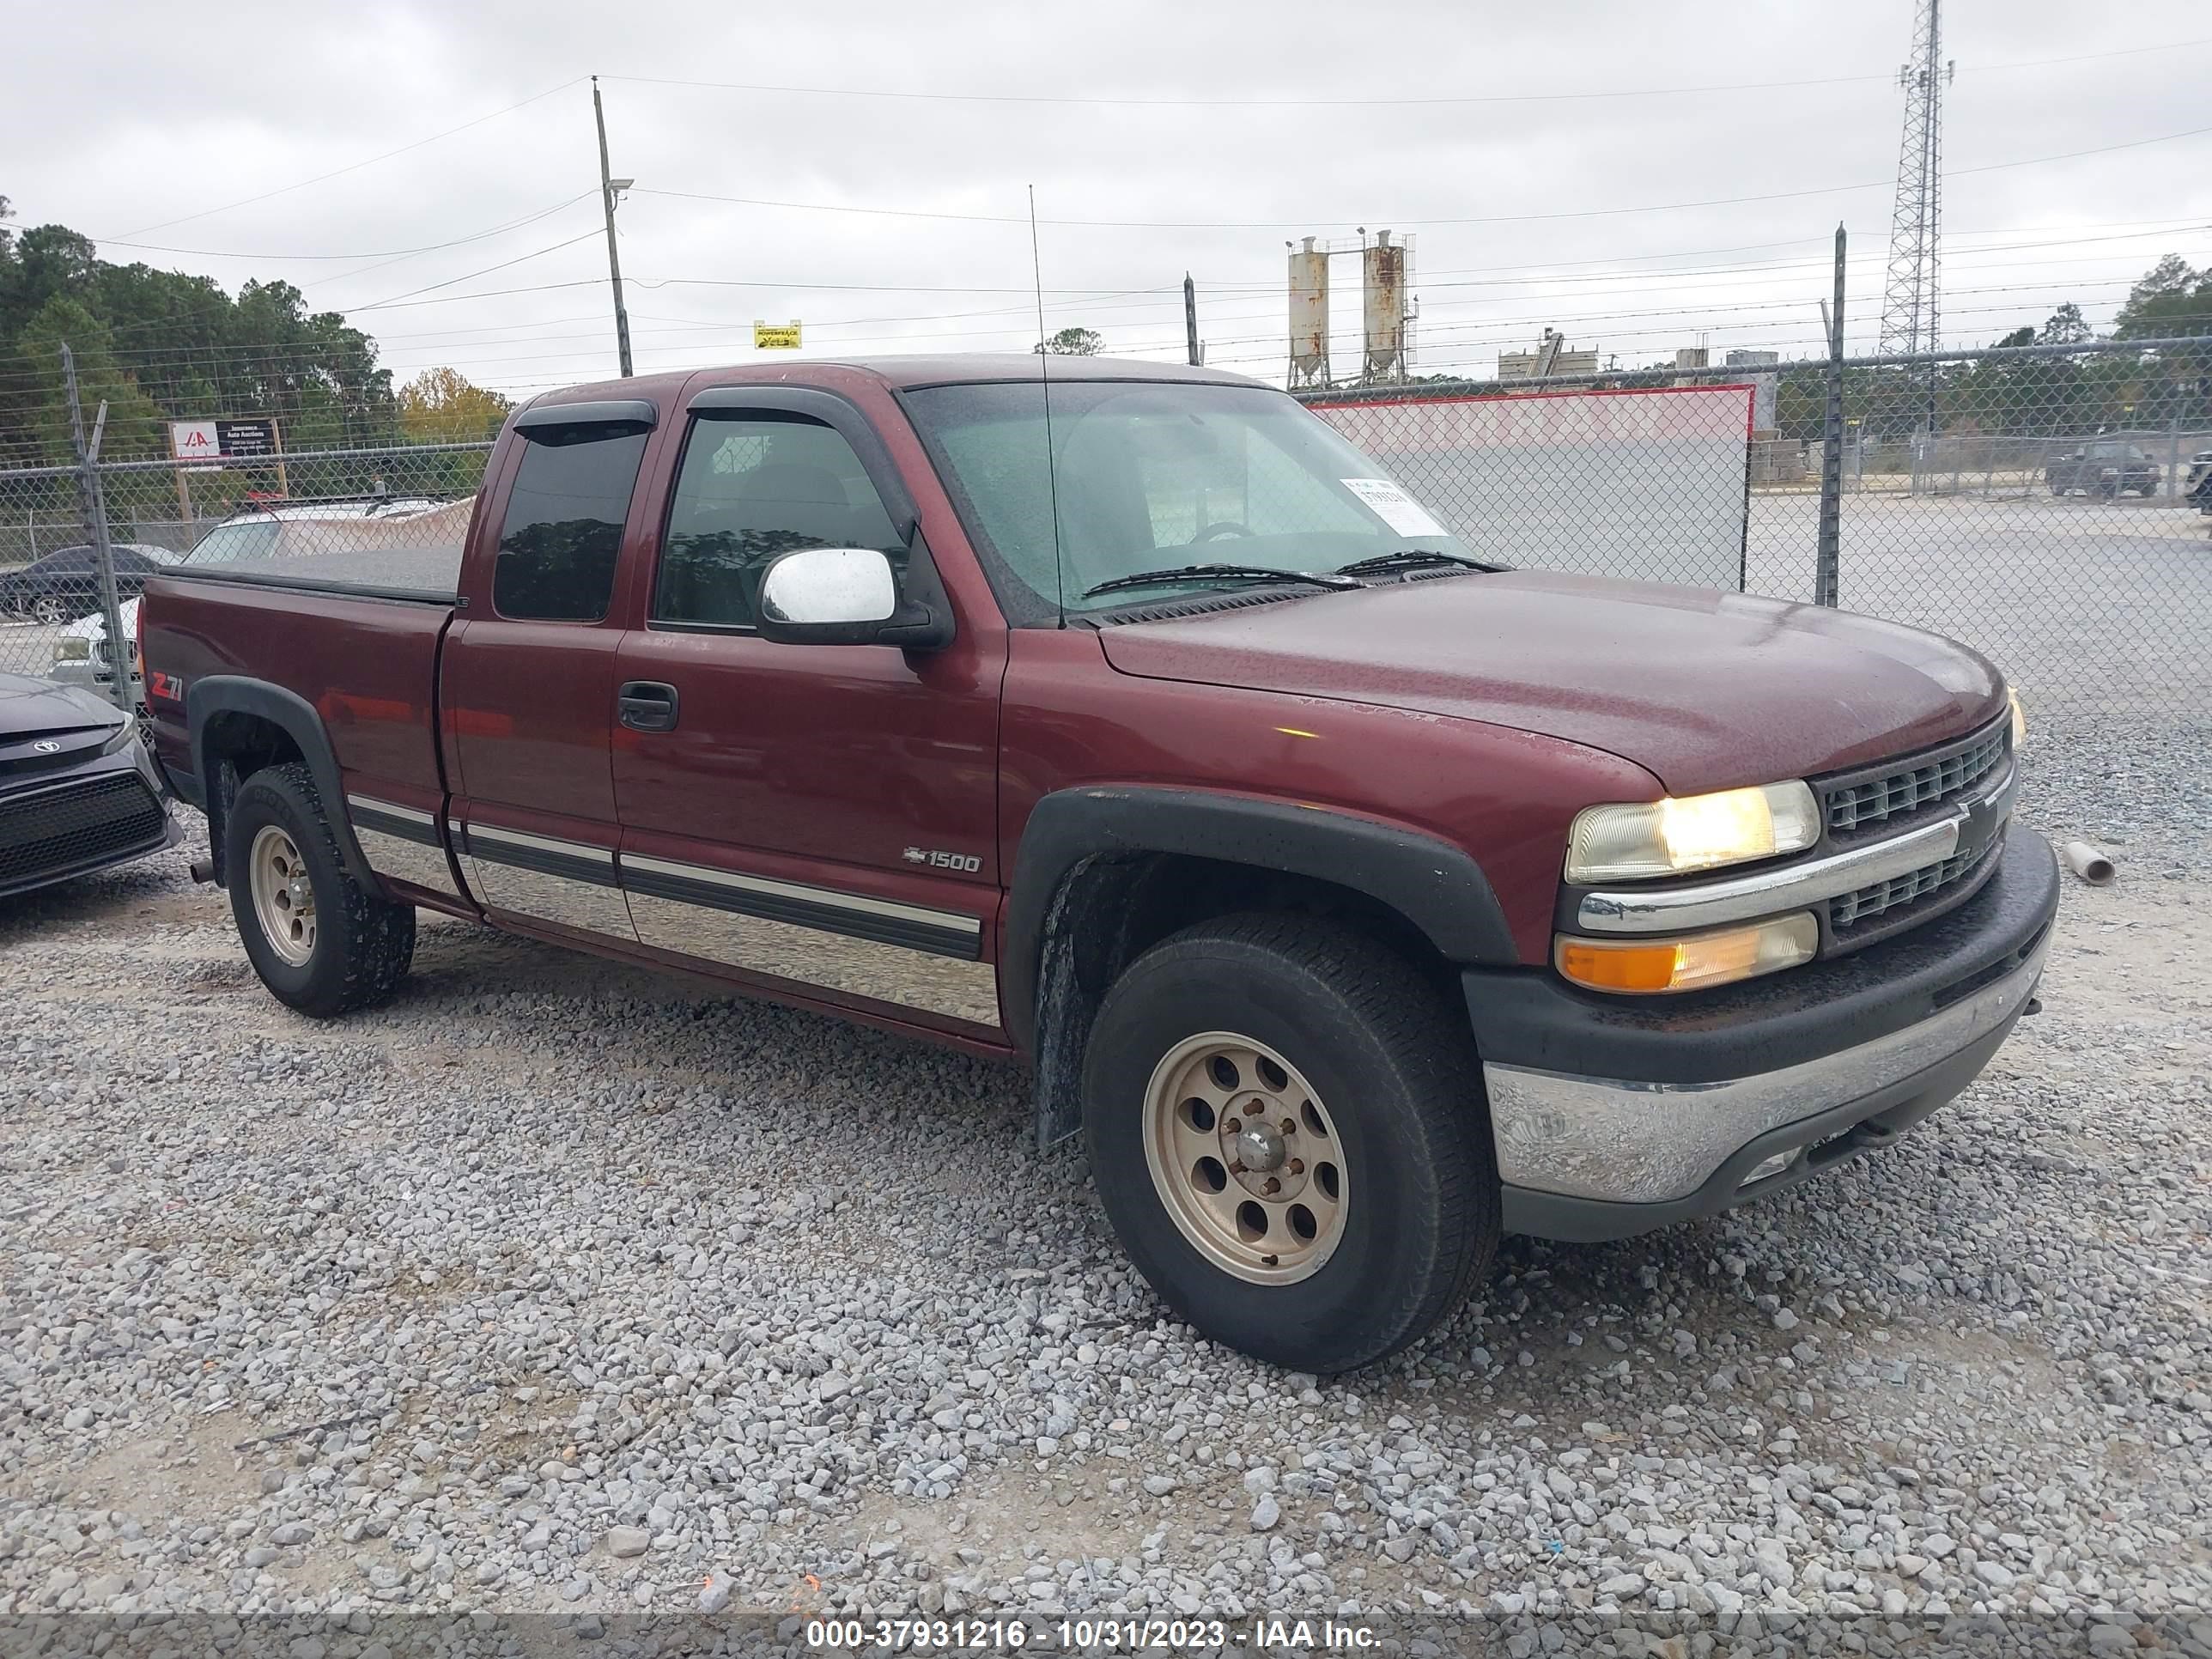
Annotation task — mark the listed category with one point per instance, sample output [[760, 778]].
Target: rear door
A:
[[818, 817], [526, 682]]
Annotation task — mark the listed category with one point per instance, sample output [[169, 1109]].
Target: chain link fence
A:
[[2047, 505], [53, 621]]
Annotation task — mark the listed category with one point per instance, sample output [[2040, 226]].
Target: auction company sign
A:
[[206, 446]]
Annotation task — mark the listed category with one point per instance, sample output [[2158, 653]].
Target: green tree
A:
[[442, 406], [1072, 343], [194, 349], [2173, 298], [133, 424], [2065, 326]]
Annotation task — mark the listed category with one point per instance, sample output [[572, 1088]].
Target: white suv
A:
[[81, 647]]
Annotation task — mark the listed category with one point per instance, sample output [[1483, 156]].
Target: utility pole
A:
[[1190, 317], [614, 259]]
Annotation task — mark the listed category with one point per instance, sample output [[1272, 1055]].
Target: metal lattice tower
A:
[[1909, 295]]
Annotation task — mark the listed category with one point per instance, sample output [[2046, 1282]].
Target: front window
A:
[[752, 489], [1154, 476]]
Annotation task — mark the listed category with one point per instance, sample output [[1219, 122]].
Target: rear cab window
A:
[[563, 531]]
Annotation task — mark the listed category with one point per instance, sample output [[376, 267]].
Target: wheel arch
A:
[[1102, 872], [236, 725]]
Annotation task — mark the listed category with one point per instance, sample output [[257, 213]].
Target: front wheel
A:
[[320, 941], [1286, 1127]]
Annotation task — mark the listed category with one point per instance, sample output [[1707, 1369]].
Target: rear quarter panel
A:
[[368, 667]]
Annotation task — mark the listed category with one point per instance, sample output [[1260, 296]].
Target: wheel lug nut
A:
[[1236, 1169], [1297, 1166], [1272, 1185], [1289, 1126]]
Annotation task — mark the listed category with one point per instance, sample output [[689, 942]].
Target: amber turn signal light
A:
[[1647, 966]]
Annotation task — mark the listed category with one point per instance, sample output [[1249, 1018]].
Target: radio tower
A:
[[1908, 297]]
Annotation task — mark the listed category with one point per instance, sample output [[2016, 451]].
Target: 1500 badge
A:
[[967, 863]]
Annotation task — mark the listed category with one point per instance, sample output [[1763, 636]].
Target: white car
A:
[[81, 647]]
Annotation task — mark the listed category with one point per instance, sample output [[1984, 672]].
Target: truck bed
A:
[[356, 636], [431, 573]]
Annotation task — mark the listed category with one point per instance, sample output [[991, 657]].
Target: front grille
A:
[[75, 828], [18, 758], [1853, 909], [1855, 806]]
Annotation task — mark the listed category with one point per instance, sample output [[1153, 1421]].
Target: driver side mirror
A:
[[850, 595]]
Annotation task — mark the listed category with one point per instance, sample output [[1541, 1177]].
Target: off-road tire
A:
[[1402, 1087], [364, 943]]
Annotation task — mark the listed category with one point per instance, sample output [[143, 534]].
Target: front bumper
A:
[[60, 825], [1611, 1119]]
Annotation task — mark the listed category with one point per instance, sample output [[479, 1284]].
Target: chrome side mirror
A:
[[829, 587], [848, 596]]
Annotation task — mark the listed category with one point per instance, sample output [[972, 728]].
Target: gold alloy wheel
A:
[[283, 901], [1243, 1155]]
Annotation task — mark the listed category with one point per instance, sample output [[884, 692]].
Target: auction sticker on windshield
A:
[[1394, 506]]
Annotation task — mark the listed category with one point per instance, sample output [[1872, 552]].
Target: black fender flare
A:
[[1437, 887], [235, 694]]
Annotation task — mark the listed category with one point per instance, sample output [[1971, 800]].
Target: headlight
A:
[[73, 650], [120, 738], [1690, 963], [1675, 838], [2018, 717]]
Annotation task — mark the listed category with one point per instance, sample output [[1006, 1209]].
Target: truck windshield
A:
[[1152, 477]]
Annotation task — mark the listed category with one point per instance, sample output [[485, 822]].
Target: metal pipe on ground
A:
[[2091, 864]]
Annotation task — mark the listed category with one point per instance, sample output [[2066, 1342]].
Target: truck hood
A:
[[1705, 689]]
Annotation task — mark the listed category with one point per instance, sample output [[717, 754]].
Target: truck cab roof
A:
[[900, 373]]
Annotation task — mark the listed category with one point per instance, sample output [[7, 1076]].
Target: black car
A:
[[2199, 488], [2103, 469], [77, 790], [62, 586]]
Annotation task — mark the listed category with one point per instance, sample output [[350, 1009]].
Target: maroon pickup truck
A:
[[1358, 898]]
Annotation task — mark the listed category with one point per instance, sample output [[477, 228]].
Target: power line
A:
[[1405, 219], [1379, 100], [471, 276], [351, 167], [388, 253]]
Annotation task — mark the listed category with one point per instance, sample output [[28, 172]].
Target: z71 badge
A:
[[967, 863]]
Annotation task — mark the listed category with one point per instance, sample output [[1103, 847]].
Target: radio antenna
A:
[[1044, 378]]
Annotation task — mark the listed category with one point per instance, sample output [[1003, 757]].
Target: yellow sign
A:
[[776, 337]]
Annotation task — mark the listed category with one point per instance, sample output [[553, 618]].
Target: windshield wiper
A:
[[1412, 558], [1207, 573]]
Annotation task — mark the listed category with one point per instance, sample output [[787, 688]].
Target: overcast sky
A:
[[159, 124]]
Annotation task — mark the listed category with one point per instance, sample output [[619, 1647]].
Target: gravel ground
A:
[[557, 1299]]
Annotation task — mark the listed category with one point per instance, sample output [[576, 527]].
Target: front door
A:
[[526, 681], [818, 817]]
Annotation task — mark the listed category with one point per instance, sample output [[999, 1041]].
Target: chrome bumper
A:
[[1623, 1142]]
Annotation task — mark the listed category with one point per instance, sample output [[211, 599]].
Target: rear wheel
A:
[[321, 942], [1286, 1127]]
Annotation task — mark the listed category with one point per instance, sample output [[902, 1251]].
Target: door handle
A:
[[646, 706]]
